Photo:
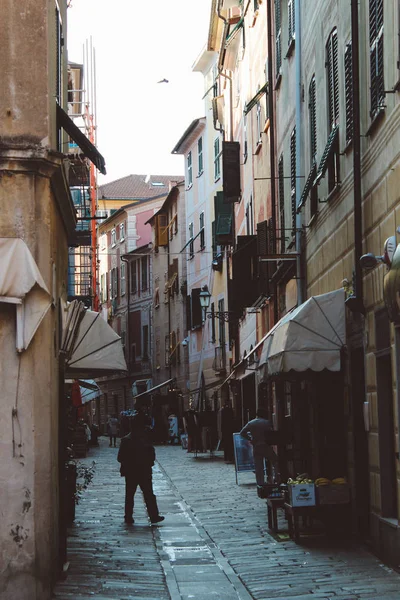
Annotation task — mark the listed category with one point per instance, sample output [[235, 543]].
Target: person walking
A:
[[113, 425], [137, 455], [257, 431]]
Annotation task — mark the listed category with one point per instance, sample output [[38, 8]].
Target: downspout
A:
[[300, 276], [358, 284], [272, 149], [127, 332]]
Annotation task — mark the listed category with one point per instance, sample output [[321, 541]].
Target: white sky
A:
[[137, 43]]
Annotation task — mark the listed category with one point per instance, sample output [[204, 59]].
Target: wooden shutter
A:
[[196, 310], [312, 109], [231, 171], [348, 82], [333, 79], [162, 230], [293, 176], [281, 186], [278, 38], [291, 20]]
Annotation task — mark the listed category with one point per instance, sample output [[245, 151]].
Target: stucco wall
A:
[[29, 387]]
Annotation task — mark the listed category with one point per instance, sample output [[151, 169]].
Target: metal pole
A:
[[356, 153], [299, 215]]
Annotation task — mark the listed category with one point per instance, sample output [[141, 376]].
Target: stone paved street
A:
[[214, 542]]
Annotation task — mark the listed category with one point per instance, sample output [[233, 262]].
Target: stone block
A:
[[370, 375], [393, 185], [373, 449], [367, 213], [379, 202]]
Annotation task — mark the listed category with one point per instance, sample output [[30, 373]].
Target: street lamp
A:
[[205, 298]]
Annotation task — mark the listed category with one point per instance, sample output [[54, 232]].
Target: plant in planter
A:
[[84, 476]]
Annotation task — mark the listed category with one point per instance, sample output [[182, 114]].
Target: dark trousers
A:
[[113, 437], [145, 482]]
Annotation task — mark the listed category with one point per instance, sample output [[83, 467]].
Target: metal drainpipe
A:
[[126, 261], [272, 149], [299, 216], [356, 154]]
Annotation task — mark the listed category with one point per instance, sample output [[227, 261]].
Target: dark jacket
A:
[[136, 454]]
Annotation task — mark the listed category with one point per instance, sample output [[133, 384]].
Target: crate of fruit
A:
[[301, 493], [332, 493]]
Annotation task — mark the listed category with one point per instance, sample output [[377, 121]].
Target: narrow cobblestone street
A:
[[214, 542]]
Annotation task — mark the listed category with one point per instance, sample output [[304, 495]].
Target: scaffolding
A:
[[83, 259]]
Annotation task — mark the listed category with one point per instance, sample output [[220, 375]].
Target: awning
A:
[[95, 348], [309, 183], [89, 150], [330, 145], [231, 46], [310, 336], [153, 389], [89, 390], [255, 100], [22, 284]]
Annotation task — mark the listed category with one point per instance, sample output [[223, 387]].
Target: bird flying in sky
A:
[[163, 81]]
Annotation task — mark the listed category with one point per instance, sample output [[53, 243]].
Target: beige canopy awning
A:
[[93, 348], [310, 336], [22, 284]]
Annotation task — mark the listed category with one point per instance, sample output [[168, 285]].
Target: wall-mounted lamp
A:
[[205, 298]]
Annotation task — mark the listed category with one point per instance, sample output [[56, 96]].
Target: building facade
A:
[[38, 220]]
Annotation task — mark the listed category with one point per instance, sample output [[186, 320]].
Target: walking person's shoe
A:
[[129, 520], [157, 519]]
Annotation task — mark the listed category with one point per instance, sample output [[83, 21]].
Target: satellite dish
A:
[[368, 261], [389, 249]]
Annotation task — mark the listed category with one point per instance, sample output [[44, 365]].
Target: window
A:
[[291, 21], [145, 342], [161, 230], [200, 154], [312, 115], [278, 39], [376, 56], [144, 270], [103, 242], [249, 217], [332, 79], [281, 190], [133, 277], [202, 232], [123, 279], [213, 338], [167, 350], [191, 244], [59, 47], [215, 75], [348, 82], [113, 238], [157, 298], [244, 138], [114, 283], [122, 232], [189, 169], [259, 124], [110, 282], [103, 287], [217, 159], [293, 178], [221, 327]]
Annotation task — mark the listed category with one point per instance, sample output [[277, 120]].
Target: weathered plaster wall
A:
[[29, 387]]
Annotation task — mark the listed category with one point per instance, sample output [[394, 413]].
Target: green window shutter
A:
[[333, 79], [281, 189], [348, 81], [293, 176], [223, 220], [312, 110]]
